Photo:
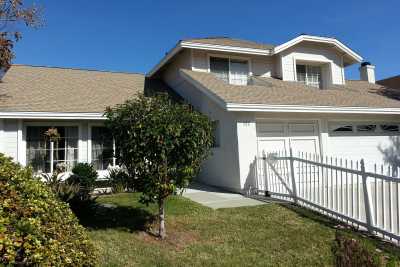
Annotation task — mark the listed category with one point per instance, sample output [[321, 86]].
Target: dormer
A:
[[315, 61], [231, 60], [312, 60]]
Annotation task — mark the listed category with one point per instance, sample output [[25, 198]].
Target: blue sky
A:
[[133, 36]]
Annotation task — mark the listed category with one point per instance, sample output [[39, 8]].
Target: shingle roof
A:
[[393, 82], [46, 89], [226, 41], [271, 91]]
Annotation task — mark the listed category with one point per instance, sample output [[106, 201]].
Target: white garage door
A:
[[368, 141], [301, 137]]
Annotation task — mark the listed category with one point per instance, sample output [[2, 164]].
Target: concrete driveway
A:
[[216, 198]]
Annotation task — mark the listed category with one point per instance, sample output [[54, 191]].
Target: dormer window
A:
[[309, 75], [231, 70]]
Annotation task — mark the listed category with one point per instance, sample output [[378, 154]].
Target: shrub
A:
[[84, 174], [350, 250], [62, 189], [119, 180], [36, 228]]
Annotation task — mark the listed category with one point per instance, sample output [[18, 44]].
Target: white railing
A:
[[339, 188]]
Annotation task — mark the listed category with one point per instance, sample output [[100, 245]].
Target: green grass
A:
[[267, 235]]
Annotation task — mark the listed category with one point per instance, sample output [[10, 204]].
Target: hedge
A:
[[36, 228]]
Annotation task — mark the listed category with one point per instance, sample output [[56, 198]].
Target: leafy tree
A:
[[12, 14], [161, 143]]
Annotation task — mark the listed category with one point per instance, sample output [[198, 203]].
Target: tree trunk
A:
[[161, 215]]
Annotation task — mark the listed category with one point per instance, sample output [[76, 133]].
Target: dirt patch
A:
[[177, 239]]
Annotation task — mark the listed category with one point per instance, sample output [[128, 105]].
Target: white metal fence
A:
[[339, 188]]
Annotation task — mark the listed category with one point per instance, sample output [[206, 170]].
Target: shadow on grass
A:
[[339, 226], [310, 214], [99, 216]]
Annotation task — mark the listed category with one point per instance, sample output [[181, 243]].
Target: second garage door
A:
[[301, 137]]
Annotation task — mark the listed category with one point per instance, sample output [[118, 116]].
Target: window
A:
[[309, 75], [102, 148], [342, 128], [389, 127], [233, 71], [220, 68], [44, 155], [366, 128], [216, 138]]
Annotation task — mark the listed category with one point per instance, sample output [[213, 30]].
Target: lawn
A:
[[266, 235]]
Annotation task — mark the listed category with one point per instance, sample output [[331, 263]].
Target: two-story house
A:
[[261, 98]]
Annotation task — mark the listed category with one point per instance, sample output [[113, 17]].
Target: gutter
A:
[[52, 115]]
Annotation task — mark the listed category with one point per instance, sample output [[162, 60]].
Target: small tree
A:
[[161, 143]]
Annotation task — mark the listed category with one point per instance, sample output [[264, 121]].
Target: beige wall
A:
[[259, 65], [331, 60]]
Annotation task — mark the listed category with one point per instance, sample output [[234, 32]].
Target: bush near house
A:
[[119, 180], [352, 251], [36, 228]]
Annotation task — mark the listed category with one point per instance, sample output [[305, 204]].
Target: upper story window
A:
[[233, 71], [309, 75]]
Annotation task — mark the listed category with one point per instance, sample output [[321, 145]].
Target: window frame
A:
[[216, 131], [90, 146], [230, 57], [50, 124], [307, 66], [377, 131]]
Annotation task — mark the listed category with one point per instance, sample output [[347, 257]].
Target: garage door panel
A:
[[271, 145], [271, 130], [302, 129], [370, 148], [305, 145]]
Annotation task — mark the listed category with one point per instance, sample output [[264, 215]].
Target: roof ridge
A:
[[78, 69], [228, 37]]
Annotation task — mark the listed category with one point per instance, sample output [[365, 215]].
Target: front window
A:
[[44, 153], [309, 75], [102, 148], [233, 71]]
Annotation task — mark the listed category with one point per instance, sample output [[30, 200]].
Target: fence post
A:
[[367, 199], [294, 191]]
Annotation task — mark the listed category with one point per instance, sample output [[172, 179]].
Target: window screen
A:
[[309, 75], [102, 148], [220, 68], [39, 149]]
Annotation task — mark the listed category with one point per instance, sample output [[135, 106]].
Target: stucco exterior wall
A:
[[222, 167]]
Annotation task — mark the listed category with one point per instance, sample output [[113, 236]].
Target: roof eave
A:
[[211, 47], [52, 115], [310, 109]]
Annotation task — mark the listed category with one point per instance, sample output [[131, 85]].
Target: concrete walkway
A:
[[216, 198]]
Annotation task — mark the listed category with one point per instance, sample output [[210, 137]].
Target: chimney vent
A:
[[367, 72]]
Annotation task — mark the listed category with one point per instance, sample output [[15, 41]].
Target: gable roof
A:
[[232, 45], [226, 41], [318, 39], [277, 93], [392, 82], [46, 89]]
